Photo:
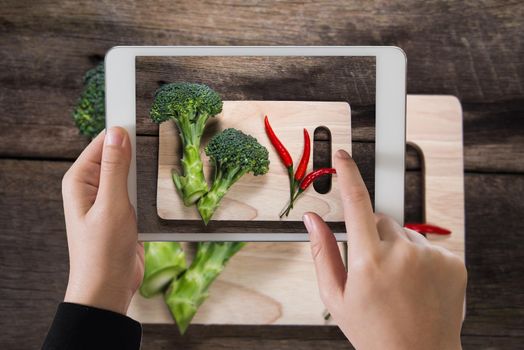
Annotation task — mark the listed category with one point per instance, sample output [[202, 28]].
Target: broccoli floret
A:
[[233, 154], [189, 106], [89, 114]]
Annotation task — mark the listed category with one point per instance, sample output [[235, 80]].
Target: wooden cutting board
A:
[[274, 283], [434, 126], [259, 198]]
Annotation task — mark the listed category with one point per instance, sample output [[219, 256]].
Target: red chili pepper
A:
[[281, 150], [427, 228], [282, 153], [302, 166], [308, 180], [313, 176]]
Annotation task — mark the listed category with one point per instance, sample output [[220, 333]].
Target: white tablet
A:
[[341, 97]]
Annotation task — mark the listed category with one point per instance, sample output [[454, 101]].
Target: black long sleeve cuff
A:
[[83, 327]]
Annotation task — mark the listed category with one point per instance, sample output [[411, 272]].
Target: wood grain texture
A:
[[469, 49], [476, 57], [434, 126], [259, 198], [263, 278]]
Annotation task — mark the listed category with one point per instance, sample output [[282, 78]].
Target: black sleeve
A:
[[83, 327]]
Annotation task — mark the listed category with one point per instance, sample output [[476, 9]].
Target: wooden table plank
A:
[[476, 57]]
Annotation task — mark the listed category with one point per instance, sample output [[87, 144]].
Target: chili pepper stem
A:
[[291, 184], [289, 205], [284, 210], [304, 184]]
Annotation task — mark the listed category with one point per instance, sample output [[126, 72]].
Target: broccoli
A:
[[186, 293], [89, 114], [189, 106], [164, 261], [233, 154]]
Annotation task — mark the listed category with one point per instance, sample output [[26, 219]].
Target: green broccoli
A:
[[186, 293], [189, 106], [164, 261], [233, 154], [89, 113]]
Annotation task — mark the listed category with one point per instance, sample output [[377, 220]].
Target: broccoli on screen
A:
[[233, 154], [189, 106]]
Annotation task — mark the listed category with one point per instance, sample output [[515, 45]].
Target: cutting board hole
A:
[[322, 158]]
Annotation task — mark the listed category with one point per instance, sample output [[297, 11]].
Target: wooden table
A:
[[473, 51]]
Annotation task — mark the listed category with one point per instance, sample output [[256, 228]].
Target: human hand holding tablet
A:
[[106, 261]]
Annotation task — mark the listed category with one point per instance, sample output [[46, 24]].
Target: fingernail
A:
[[342, 154], [308, 223], [114, 137]]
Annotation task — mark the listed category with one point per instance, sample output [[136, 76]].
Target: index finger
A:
[[358, 212]]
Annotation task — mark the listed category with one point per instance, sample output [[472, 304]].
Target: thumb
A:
[[331, 274], [114, 168]]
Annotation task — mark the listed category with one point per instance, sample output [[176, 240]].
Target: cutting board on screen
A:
[[259, 198]]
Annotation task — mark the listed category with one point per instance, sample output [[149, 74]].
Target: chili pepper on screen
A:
[[282, 153], [302, 166], [297, 182]]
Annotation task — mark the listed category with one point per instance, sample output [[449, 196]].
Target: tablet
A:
[[341, 97]]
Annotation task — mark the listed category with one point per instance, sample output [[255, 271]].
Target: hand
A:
[[399, 292], [106, 260]]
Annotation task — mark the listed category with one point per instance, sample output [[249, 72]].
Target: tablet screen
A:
[[186, 179]]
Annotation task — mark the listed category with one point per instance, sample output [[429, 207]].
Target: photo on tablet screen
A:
[[205, 160]]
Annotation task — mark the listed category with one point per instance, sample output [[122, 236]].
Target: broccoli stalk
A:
[[164, 261], [185, 294], [233, 154], [221, 184], [189, 106]]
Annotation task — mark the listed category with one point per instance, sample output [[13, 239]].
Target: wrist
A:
[[103, 297], [426, 343]]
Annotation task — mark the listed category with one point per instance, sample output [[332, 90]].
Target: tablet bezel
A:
[[390, 125]]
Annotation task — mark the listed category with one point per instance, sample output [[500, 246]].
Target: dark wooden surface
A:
[[469, 49]]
